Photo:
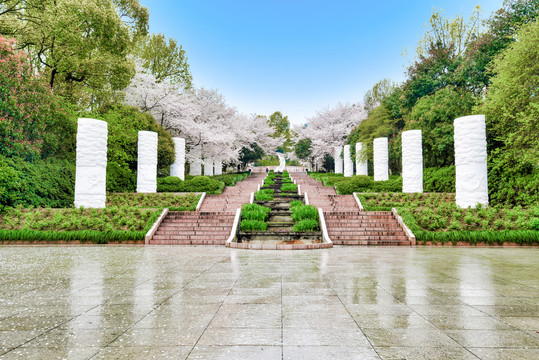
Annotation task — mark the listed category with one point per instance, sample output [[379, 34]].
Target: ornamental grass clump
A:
[[264, 195], [302, 212], [254, 212], [287, 187], [306, 225], [269, 181], [253, 225]]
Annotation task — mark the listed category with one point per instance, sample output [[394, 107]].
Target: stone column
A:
[[348, 163], [178, 168], [208, 167], [91, 170], [471, 161], [195, 168], [381, 159], [338, 160], [412, 162], [218, 167], [361, 164], [147, 162]]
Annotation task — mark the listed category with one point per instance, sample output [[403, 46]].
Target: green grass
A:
[[287, 187], [254, 212], [183, 202], [253, 225], [306, 225], [27, 232], [302, 212], [264, 195]]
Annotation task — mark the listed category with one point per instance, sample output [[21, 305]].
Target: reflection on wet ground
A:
[[219, 303]]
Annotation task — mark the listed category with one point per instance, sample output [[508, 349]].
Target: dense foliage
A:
[[459, 71]]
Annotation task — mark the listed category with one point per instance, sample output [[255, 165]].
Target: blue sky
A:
[[298, 56]]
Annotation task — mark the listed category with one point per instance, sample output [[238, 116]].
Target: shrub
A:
[[253, 225], [170, 184], [439, 179], [34, 123], [45, 183], [203, 184], [306, 225]]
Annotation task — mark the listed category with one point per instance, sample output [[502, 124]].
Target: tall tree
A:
[[512, 113], [80, 45], [281, 126], [165, 60]]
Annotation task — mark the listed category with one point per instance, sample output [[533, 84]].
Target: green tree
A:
[[434, 115], [82, 47], [250, 154], [439, 53], [380, 91], [502, 26], [165, 60], [378, 124], [33, 122], [512, 113], [124, 123], [304, 151], [281, 126]]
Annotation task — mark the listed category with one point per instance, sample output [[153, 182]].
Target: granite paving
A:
[[212, 302]]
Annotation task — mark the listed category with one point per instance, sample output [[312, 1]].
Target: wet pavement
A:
[[205, 302]]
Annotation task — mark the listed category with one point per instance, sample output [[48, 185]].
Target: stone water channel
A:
[[280, 233]]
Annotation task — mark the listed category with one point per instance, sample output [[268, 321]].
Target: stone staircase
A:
[[346, 224], [211, 225]]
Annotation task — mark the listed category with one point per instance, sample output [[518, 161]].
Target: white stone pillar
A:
[[348, 163], [91, 170], [471, 161], [412, 162], [218, 167], [147, 162], [338, 160], [361, 163], [208, 166], [381, 159], [178, 168], [195, 166]]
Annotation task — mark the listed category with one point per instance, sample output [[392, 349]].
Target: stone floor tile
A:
[[329, 353], [241, 336], [71, 353], [235, 353], [409, 337], [505, 353], [327, 336], [144, 353], [494, 338], [424, 353], [448, 322], [382, 321]]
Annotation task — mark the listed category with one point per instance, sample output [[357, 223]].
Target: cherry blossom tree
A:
[[200, 116], [330, 127]]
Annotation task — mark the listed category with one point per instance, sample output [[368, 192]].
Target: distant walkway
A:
[[213, 223], [346, 224]]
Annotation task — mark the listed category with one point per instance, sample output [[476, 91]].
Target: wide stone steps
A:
[[213, 223]]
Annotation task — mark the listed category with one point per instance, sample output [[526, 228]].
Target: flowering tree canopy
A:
[[330, 127]]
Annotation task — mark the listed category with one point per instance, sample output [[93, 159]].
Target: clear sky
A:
[[298, 56]]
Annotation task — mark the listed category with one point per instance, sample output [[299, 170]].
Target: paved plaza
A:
[[211, 302]]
